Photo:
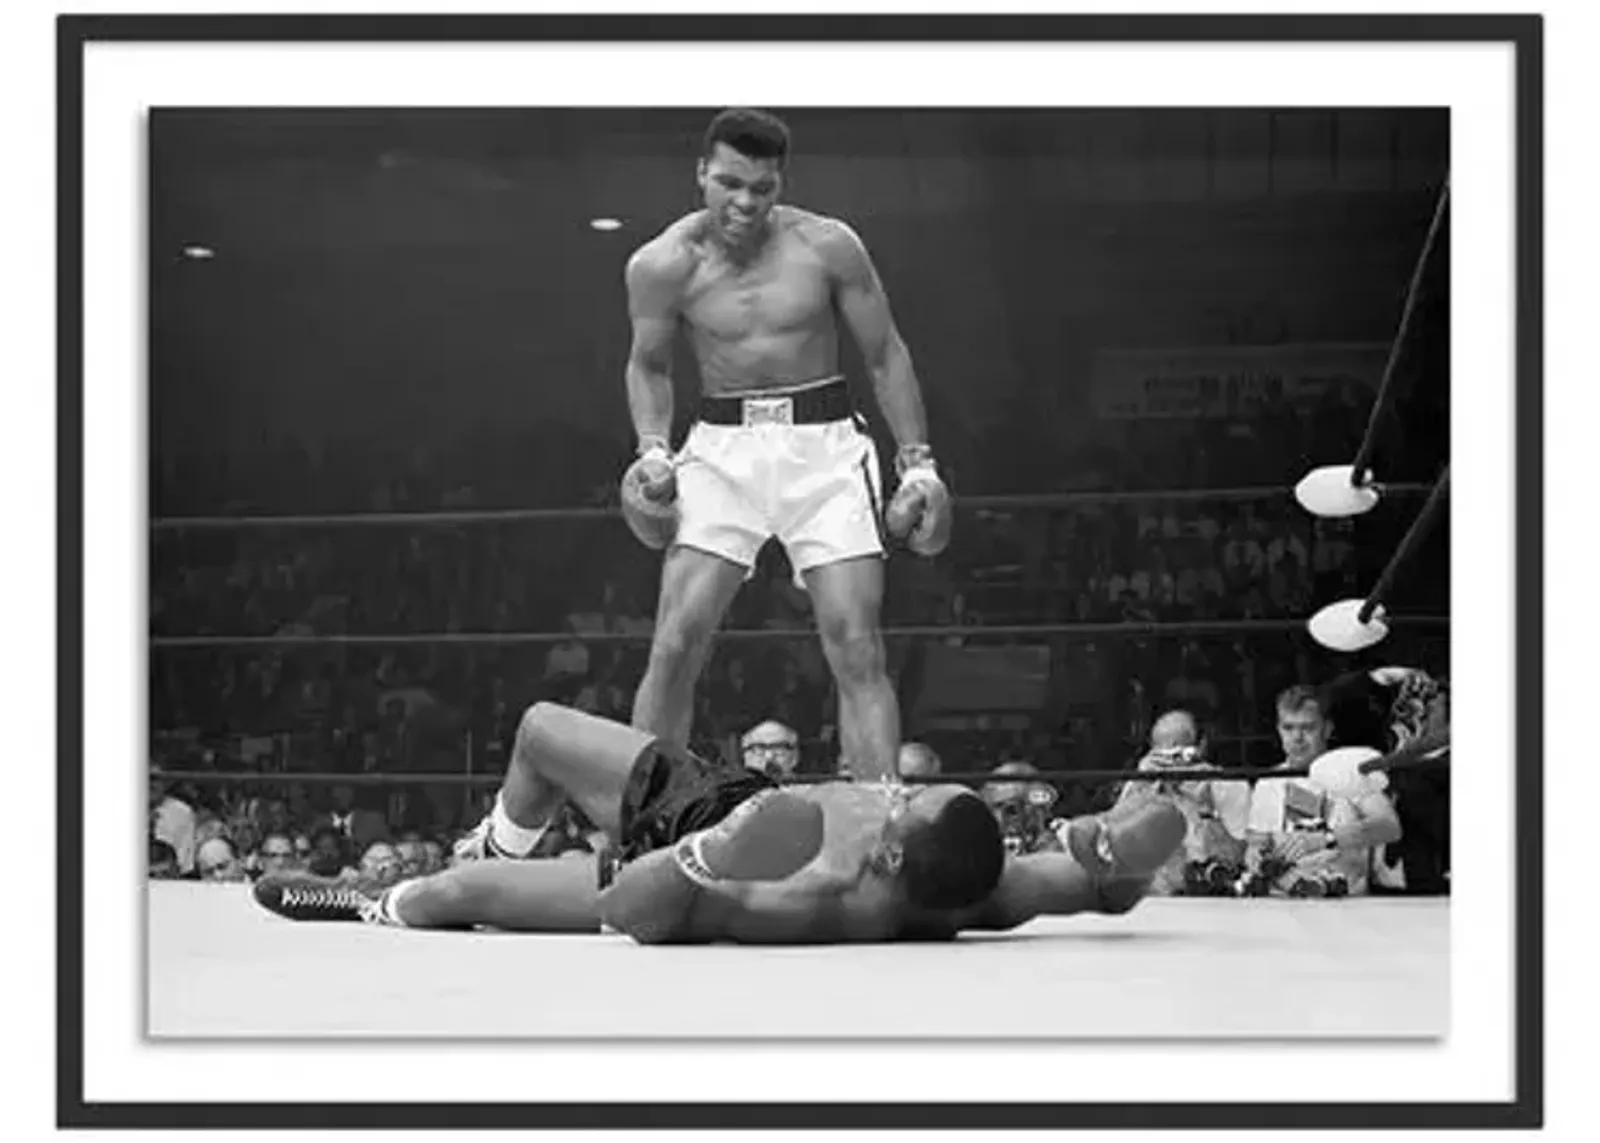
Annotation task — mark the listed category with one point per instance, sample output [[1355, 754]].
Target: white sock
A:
[[388, 907], [510, 838]]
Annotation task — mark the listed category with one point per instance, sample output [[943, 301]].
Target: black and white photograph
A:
[[731, 564], [798, 526]]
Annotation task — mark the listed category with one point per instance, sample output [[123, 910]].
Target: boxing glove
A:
[[768, 838], [1338, 773], [920, 512], [650, 497]]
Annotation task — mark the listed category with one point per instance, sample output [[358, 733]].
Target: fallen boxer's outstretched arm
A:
[[1116, 852], [1036, 885]]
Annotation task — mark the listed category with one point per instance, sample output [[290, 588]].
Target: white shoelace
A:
[[332, 897]]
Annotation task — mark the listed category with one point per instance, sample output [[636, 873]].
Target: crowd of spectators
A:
[[439, 707], [210, 832], [1295, 836]]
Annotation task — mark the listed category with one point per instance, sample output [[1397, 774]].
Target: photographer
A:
[[1305, 841], [1212, 856], [1023, 810]]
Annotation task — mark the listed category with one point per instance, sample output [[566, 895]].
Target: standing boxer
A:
[[777, 449]]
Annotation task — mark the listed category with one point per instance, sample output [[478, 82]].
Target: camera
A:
[[1210, 878]]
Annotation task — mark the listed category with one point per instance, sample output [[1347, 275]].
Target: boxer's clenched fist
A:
[[650, 497], [920, 512]]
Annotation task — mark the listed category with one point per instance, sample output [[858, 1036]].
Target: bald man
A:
[[918, 760], [1217, 813]]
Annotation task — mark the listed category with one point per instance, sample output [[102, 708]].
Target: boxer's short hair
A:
[[754, 134], [953, 860]]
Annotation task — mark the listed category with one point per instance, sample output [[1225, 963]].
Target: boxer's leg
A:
[[582, 757], [846, 597], [833, 532], [721, 527], [560, 754], [529, 896], [536, 896], [696, 590]]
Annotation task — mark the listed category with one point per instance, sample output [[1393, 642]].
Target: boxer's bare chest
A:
[[785, 289], [853, 817], [863, 903]]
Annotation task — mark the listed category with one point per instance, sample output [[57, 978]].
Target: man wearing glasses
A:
[[277, 854], [770, 748]]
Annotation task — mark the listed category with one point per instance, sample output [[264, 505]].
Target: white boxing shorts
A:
[[813, 484]]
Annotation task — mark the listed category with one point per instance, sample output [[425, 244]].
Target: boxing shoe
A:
[[303, 897]]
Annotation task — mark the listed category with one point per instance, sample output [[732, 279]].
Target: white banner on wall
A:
[[1231, 381]]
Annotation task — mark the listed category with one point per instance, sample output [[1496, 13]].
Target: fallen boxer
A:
[[706, 853]]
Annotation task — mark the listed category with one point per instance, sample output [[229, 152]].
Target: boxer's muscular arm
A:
[[654, 904], [865, 308], [802, 910], [1032, 885], [652, 280]]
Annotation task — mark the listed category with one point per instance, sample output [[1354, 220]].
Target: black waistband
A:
[[825, 403]]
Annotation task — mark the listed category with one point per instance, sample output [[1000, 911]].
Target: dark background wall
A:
[[423, 278]]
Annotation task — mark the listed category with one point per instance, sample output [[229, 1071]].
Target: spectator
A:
[[207, 828], [216, 860], [1023, 810], [277, 854], [328, 848], [358, 826], [918, 760], [163, 861], [1217, 812], [432, 856], [380, 862], [771, 748], [1303, 841], [413, 855], [1385, 709], [172, 820]]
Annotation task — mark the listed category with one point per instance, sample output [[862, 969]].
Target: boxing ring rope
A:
[[1424, 754], [976, 504], [995, 503], [1336, 490], [1385, 386], [1155, 628], [1356, 624], [1349, 490], [1408, 544]]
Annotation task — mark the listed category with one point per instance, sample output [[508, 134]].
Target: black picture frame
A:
[[1524, 33]]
